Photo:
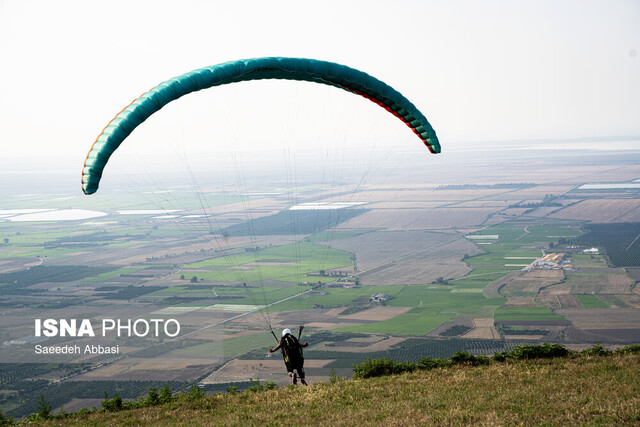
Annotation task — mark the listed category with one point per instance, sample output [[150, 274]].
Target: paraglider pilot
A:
[[292, 354]]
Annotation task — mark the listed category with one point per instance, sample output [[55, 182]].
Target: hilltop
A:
[[575, 390]]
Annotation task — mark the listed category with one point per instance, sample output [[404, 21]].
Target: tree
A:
[[165, 394], [44, 408], [194, 279], [5, 420], [153, 398], [112, 405], [182, 277], [6, 240]]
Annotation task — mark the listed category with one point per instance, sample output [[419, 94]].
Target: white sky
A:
[[478, 70]]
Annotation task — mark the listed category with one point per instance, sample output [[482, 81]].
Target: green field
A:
[[340, 296], [581, 261], [231, 347], [592, 301], [263, 295], [431, 306], [290, 264], [331, 297], [441, 299], [476, 280], [418, 322], [114, 273], [525, 314]]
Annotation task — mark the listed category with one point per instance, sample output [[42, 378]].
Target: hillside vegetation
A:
[[588, 389]]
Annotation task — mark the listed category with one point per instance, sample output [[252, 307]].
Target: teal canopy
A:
[[310, 70]]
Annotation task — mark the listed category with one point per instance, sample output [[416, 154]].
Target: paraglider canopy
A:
[[311, 70]]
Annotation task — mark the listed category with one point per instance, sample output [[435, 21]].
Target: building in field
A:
[[379, 298], [553, 261]]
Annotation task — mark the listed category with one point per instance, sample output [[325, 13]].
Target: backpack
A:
[[292, 349]]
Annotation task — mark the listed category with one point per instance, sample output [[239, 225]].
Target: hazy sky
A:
[[479, 70]]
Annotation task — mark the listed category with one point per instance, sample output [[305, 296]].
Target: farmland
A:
[[414, 267], [615, 211], [286, 263], [619, 240]]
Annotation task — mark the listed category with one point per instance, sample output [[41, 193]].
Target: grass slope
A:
[[591, 390]]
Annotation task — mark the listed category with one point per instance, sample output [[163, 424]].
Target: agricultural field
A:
[[620, 241], [592, 301], [440, 218], [615, 211], [398, 257], [286, 263], [526, 314], [412, 268], [598, 281], [532, 281]]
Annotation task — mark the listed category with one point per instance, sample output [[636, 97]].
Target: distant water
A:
[[27, 215], [611, 186]]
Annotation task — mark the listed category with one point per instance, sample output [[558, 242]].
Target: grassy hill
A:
[[581, 390]]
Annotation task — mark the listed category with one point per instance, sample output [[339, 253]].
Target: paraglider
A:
[[323, 72], [311, 70], [292, 354]]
